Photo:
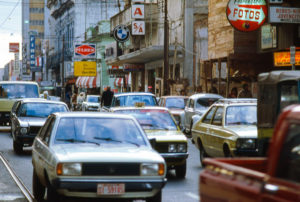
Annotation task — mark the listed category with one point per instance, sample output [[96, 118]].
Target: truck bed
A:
[[232, 179]]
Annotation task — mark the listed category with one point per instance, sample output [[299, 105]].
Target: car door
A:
[[285, 185], [216, 137], [205, 130]]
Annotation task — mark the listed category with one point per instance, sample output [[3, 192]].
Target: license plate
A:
[[110, 189]]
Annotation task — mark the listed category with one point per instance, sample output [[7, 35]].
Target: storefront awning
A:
[[119, 82], [88, 82]]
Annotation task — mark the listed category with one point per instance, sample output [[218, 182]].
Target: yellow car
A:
[[228, 128], [161, 128]]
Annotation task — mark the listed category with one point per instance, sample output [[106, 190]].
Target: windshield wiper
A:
[[133, 143], [77, 140], [107, 139]]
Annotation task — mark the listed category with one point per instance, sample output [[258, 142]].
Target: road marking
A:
[[194, 196]]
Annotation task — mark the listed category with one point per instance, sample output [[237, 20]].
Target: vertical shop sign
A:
[[32, 51]]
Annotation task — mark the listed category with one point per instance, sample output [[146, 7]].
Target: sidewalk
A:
[[9, 191]]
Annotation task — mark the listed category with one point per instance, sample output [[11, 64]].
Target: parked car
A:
[[91, 103], [95, 155], [28, 116], [158, 124], [175, 104], [272, 178], [129, 99], [197, 105], [228, 128]]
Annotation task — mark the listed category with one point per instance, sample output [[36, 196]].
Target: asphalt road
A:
[[175, 191]]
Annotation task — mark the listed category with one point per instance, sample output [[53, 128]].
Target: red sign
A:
[[85, 50], [13, 47], [246, 15]]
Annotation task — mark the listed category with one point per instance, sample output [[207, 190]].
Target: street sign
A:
[[138, 28], [246, 16], [292, 54], [138, 11], [121, 33], [85, 50]]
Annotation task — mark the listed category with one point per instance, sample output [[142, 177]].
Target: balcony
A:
[[152, 13]]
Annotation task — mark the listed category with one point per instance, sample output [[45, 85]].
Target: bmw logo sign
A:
[[121, 33]]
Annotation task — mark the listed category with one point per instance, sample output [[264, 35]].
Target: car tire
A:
[[156, 198], [18, 148], [226, 151], [202, 154], [190, 133], [181, 171], [38, 188], [52, 194]]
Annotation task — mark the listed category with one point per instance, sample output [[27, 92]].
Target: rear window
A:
[[130, 100]]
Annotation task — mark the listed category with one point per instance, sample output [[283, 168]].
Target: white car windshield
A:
[[241, 115], [98, 131], [40, 109]]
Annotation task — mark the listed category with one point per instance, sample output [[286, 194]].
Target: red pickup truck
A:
[[272, 178]]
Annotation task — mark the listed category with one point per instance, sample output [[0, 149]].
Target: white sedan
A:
[[86, 155]]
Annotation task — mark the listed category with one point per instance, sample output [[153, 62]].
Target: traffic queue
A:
[[126, 146]]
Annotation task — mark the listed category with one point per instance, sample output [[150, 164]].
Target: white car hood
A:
[[32, 121], [105, 152], [244, 131]]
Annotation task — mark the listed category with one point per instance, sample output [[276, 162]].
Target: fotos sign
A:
[[246, 15], [283, 59]]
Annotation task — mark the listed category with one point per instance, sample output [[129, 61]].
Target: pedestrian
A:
[[80, 99], [233, 93], [74, 101], [213, 90], [68, 98], [245, 93], [107, 97], [150, 89]]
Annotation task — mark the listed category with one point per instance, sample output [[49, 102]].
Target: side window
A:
[[191, 104], [188, 103], [218, 117], [43, 130], [209, 115], [15, 107], [288, 165], [46, 138]]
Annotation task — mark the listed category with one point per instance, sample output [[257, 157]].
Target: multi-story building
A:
[[32, 25], [69, 23], [143, 55]]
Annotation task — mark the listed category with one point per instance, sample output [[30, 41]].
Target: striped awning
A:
[[88, 82]]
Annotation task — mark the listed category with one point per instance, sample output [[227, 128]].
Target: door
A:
[[189, 112], [216, 138]]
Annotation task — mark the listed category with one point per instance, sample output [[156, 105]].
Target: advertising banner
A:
[[283, 59], [85, 68]]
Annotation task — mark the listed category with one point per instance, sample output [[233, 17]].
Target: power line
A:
[[10, 14]]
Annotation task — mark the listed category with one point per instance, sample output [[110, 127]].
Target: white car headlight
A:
[[172, 148], [181, 148], [70, 169], [152, 169], [23, 131]]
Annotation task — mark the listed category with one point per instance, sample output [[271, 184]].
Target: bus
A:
[[10, 91]]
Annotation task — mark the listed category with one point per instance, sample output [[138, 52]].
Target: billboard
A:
[[85, 50], [85, 68], [14, 47]]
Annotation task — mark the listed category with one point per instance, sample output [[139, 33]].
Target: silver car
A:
[[197, 105], [91, 103], [28, 116], [95, 155]]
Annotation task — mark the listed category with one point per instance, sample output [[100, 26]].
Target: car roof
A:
[[174, 96], [133, 93], [93, 95], [145, 107], [92, 114], [234, 101], [18, 82], [205, 95], [278, 76], [41, 100]]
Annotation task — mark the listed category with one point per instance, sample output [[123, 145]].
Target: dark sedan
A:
[[28, 116]]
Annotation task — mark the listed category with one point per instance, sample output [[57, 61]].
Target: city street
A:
[[175, 190]]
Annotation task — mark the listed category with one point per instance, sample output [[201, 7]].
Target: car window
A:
[[152, 119], [289, 160], [177, 103], [207, 118], [40, 109], [15, 107], [48, 130], [130, 100], [191, 105], [205, 103], [217, 120], [241, 115], [73, 130]]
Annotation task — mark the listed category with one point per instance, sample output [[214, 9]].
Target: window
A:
[[288, 94], [289, 160], [218, 117], [209, 115], [191, 104]]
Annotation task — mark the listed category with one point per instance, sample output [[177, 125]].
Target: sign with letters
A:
[[85, 68]]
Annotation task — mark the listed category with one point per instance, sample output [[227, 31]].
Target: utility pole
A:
[[63, 70], [166, 51]]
